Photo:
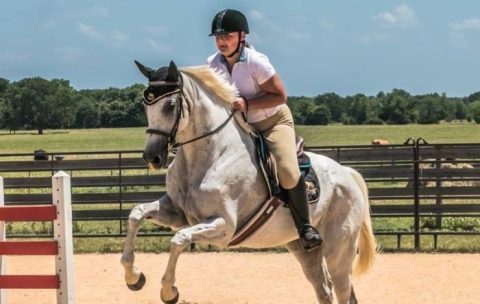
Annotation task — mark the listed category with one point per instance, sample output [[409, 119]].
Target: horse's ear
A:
[[146, 71], [172, 71]]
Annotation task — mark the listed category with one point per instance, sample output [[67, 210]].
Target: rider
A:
[[263, 100]]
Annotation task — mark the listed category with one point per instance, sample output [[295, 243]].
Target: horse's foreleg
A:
[[210, 231], [315, 269], [133, 276], [159, 212]]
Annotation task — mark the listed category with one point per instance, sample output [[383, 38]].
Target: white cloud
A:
[[327, 25], [401, 16], [459, 30], [255, 15], [458, 39], [377, 38], [466, 25], [295, 35], [100, 11], [9, 57], [119, 37], [155, 30], [69, 54], [89, 31], [158, 46], [48, 24]]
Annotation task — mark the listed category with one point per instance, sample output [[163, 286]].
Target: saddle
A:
[[278, 196], [268, 167]]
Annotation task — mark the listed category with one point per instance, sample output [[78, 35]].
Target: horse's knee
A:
[[181, 239], [136, 215]]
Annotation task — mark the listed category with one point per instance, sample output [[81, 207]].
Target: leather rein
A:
[[173, 132]]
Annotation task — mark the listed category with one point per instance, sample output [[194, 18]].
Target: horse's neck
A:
[[207, 114]]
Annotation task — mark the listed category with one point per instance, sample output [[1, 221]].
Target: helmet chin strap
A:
[[240, 42]]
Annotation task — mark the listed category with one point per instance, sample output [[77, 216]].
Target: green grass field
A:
[[134, 138]]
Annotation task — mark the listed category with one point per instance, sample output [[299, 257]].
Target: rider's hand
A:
[[240, 104]]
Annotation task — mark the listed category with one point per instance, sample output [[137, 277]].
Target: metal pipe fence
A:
[[410, 183]]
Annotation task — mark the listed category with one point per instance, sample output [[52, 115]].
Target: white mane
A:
[[213, 81]]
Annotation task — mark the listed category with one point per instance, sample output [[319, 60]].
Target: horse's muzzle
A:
[[157, 161]]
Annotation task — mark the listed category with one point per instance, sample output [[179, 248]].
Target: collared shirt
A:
[[252, 69]]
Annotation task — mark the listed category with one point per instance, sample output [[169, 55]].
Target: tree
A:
[[397, 108], [10, 109], [336, 105], [3, 85], [319, 116], [34, 99], [475, 111], [358, 109], [430, 109], [473, 97], [62, 104], [300, 107], [87, 114]]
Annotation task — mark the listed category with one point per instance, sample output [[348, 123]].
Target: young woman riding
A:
[[263, 100]]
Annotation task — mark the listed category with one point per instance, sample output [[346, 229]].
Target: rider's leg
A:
[[279, 134], [299, 207]]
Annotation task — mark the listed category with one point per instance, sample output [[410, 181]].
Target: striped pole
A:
[[60, 212]]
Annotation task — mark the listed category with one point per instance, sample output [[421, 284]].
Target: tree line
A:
[[396, 107], [37, 104]]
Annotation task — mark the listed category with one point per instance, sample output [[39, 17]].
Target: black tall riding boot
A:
[[299, 207]]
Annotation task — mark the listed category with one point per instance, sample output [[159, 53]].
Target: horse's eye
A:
[[170, 105]]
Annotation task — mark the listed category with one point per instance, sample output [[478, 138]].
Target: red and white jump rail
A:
[[60, 212]]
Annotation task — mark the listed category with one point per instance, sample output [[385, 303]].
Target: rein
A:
[[173, 133]]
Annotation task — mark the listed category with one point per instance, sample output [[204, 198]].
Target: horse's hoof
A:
[[175, 299], [139, 285]]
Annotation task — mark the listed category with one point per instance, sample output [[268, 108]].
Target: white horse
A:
[[214, 188]]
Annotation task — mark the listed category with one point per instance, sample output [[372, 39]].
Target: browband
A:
[[163, 82], [150, 102]]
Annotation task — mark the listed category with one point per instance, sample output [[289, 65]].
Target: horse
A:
[[214, 186]]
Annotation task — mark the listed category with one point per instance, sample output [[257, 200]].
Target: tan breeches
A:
[[279, 134]]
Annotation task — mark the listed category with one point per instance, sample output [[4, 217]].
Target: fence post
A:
[[62, 229], [416, 190], [418, 142], [438, 197], [3, 264]]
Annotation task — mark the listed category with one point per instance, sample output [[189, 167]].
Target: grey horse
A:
[[214, 187]]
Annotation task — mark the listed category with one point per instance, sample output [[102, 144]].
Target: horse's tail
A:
[[367, 247]]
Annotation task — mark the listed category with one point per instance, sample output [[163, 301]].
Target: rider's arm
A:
[[275, 94]]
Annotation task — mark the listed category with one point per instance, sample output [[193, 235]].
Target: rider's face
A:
[[227, 43]]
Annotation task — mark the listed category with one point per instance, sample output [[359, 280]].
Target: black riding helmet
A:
[[228, 21]]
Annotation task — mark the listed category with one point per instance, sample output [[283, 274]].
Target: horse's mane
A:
[[213, 81], [216, 83]]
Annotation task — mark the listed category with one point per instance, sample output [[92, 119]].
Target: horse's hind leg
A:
[[340, 262], [160, 212], [211, 231], [314, 268]]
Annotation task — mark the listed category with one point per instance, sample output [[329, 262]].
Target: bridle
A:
[[180, 113]]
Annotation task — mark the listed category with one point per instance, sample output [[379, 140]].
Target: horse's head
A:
[[164, 109]]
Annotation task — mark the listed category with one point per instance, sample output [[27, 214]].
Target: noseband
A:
[[173, 132]]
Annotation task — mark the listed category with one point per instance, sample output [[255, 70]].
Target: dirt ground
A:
[[240, 278]]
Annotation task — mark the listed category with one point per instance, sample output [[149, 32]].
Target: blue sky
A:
[[320, 46]]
